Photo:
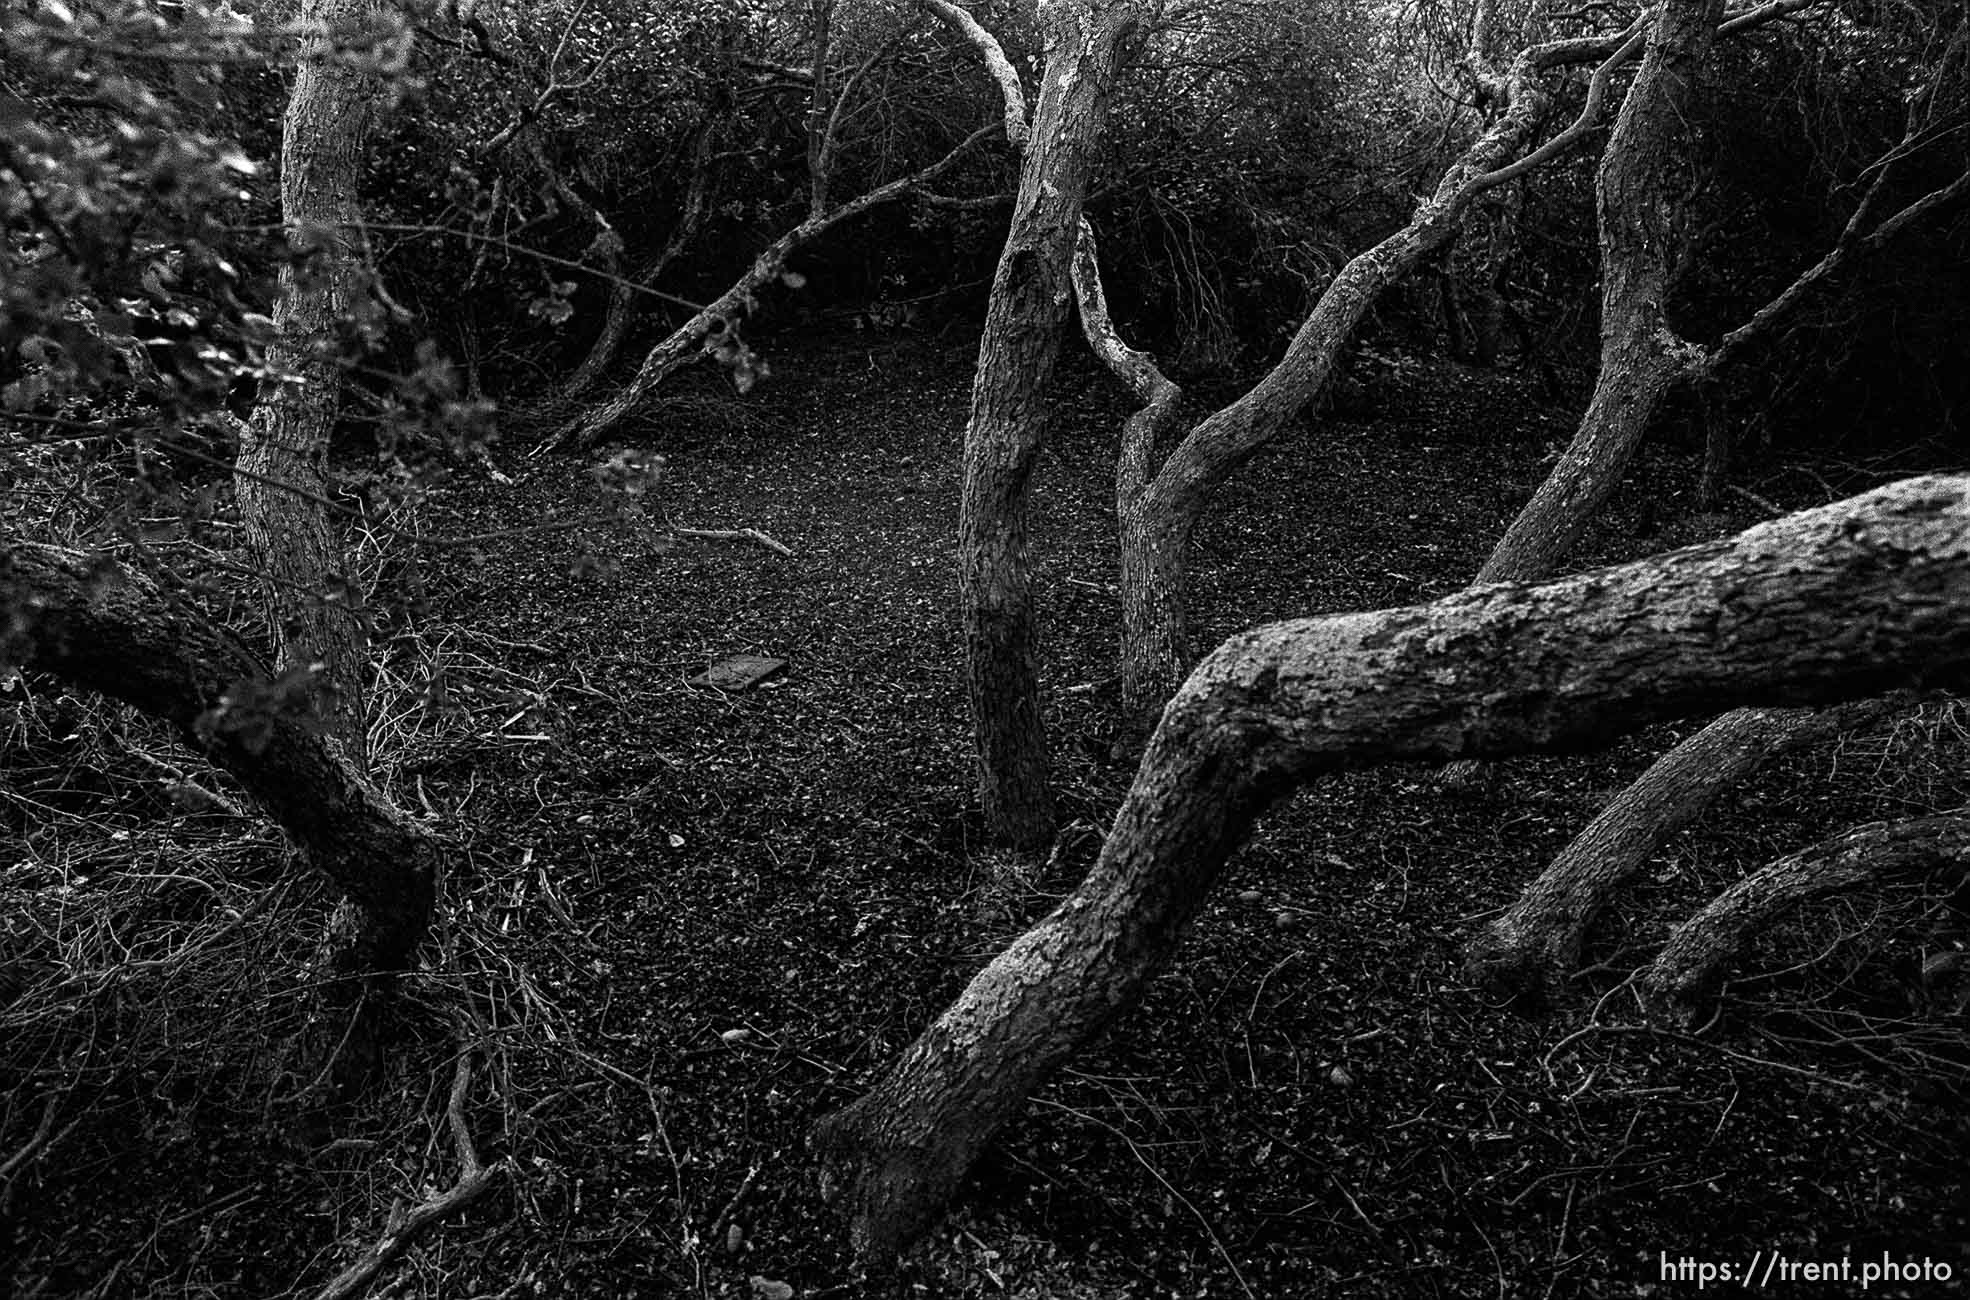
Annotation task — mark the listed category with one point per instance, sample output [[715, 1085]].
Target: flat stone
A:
[[740, 672]]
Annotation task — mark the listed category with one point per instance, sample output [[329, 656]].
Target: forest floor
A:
[[685, 924]]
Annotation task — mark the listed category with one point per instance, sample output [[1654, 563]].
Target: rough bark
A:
[[1152, 654], [96, 625], [1831, 604], [1030, 296], [1528, 953], [1677, 985], [1159, 518], [1642, 357], [282, 481], [1641, 187]]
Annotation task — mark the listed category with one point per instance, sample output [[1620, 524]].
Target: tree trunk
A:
[[281, 479], [1155, 627], [1528, 952], [1152, 656], [1182, 489], [1643, 237], [1677, 984], [1030, 296], [1641, 187], [1834, 603], [101, 627]]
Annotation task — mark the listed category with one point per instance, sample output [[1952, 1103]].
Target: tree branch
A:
[[1836, 603], [405, 1227], [996, 62]]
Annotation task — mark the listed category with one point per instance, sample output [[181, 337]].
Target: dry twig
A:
[[405, 1226]]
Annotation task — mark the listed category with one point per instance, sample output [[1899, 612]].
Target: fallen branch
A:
[[44, 1140], [735, 535], [1839, 603], [405, 1227]]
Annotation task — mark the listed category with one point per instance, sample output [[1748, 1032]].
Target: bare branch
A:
[[404, 1227], [996, 62], [1691, 961], [1137, 370], [736, 535], [1764, 320], [1590, 116]]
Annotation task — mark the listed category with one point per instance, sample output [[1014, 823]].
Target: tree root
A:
[[406, 1225], [1676, 986], [1527, 954]]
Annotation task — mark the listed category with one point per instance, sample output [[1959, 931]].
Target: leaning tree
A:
[[1648, 173], [835, 63], [1831, 604], [1160, 502], [132, 308]]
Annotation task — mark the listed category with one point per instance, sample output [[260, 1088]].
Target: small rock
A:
[[1339, 1077], [765, 1288], [1248, 895], [735, 1239], [740, 672], [736, 1035]]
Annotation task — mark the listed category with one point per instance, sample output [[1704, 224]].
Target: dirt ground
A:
[[685, 924]]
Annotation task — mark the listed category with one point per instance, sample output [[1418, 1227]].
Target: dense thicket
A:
[[277, 278]]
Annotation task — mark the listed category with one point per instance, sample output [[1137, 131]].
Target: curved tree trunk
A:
[[1641, 186], [282, 482], [1684, 972], [1834, 603], [1163, 515], [1030, 297], [1528, 952], [1153, 624], [98, 626], [1643, 243]]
